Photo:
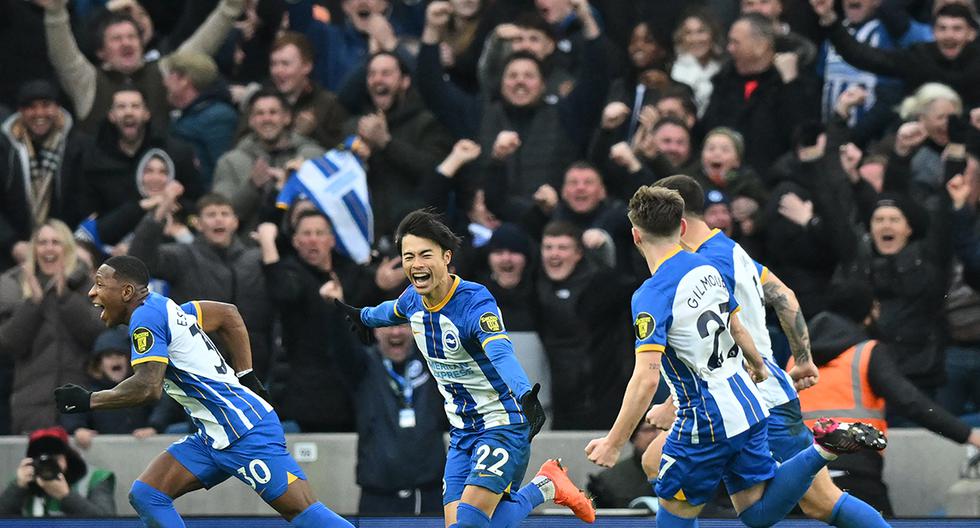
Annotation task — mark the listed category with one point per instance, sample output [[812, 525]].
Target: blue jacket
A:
[[208, 125]]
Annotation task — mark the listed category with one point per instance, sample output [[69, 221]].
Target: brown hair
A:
[[296, 39], [656, 210]]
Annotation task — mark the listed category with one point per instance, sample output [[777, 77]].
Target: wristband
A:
[[242, 373]]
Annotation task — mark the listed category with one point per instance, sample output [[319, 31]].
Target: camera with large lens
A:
[[46, 467]]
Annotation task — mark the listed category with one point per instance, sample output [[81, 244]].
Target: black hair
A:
[[209, 199], [534, 21], [112, 18], [309, 214], [129, 268], [268, 92], [129, 87], [668, 120], [524, 55], [560, 228], [956, 11], [402, 67], [425, 223], [689, 189]]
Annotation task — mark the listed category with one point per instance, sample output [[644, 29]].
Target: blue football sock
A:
[[317, 515], [155, 508], [852, 512], [665, 519], [468, 516], [793, 478], [510, 512]]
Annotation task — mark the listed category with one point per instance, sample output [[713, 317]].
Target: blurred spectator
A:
[[317, 114], [529, 33], [787, 41], [303, 288], [882, 28], [510, 279], [906, 273], [952, 59], [853, 364], [571, 24], [657, 150], [963, 192], [252, 173], [583, 203], [462, 45], [217, 266], [405, 139], [647, 78], [205, 117], [113, 168], [617, 486], [718, 212], [931, 107], [722, 168], [54, 481], [400, 417], [107, 366], [121, 52], [47, 325], [762, 94], [565, 333], [698, 44], [344, 44], [39, 146]]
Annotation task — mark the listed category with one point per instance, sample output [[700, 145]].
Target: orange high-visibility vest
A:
[[843, 392]]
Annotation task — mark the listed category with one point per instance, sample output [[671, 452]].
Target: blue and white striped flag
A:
[[337, 184]]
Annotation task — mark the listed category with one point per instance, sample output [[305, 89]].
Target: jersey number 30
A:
[[717, 356], [221, 367]]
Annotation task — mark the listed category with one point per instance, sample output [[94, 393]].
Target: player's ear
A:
[[683, 226], [128, 291], [447, 256], [636, 236]]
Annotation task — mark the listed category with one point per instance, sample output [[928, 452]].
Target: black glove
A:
[[357, 327], [73, 399], [251, 381], [533, 409]]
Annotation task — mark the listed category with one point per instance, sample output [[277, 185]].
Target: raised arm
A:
[[76, 73], [211, 34], [787, 307]]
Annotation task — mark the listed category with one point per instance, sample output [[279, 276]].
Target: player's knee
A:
[[468, 516], [144, 497], [651, 464]]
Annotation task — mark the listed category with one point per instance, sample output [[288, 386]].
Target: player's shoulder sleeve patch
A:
[[490, 323], [142, 339], [644, 325]]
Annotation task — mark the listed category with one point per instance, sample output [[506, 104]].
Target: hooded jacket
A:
[[91, 494]]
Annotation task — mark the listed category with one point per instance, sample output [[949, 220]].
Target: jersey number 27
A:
[[717, 356]]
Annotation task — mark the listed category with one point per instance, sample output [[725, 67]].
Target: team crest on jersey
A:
[[450, 340], [142, 340], [489, 322], [644, 325]]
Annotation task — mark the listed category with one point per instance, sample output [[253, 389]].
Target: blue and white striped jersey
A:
[[197, 377], [745, 277], [468, 352], [683, 311]]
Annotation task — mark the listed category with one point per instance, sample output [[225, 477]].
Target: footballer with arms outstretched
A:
[[238, 434], [493, 410]]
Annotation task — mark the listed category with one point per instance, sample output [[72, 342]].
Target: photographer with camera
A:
[[54, 481]]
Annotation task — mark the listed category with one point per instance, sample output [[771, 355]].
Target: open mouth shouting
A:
[[422, 280]]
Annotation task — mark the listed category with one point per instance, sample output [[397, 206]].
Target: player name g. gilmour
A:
[[709, 280]]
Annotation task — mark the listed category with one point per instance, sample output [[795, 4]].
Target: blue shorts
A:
[[691, 472], [788, 435], [494, 458], [259, 459]]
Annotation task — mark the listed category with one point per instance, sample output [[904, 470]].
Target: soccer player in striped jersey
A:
[[239, 433], [493, 410], [685, 317], [755, 287]]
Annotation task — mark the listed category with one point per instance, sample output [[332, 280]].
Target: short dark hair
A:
[[523, 55], [656, 210], [212, 198], [310, 214], [761, 26], [267, 92], [534, 21], [957, 11], [299, 40], [402, 67], [111, 18], [689, 189], [126, 88], [425, 223], [560, 228], [129, 268], [665, 121]]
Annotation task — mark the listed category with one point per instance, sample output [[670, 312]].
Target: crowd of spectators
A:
[[834, 142]]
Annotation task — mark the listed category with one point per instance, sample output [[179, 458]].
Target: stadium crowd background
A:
[[835, 149]]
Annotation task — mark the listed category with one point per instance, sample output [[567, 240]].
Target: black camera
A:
[[46, 467]]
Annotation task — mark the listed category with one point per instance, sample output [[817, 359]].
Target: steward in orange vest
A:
[[858, 378]]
